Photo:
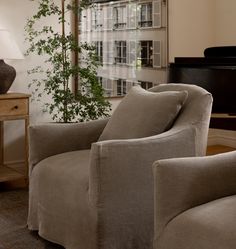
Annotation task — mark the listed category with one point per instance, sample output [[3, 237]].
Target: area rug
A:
[[13, 230]]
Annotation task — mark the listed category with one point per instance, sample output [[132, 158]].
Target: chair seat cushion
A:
[[59, 198], [208, 226]]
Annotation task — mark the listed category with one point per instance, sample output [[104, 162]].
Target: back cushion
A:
[[142, 113]]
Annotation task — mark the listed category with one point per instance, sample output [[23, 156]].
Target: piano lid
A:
[[222, 56], [203, 61]]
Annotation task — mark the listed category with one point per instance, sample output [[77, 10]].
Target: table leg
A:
[[26, 147]]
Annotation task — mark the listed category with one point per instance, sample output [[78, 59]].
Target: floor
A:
[[216, 149]]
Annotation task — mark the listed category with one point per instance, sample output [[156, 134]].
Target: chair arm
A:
[[121, 179], [183, 183], [50, 139]]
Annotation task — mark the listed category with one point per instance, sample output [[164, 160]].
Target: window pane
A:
[[130, 43], [145, 15]]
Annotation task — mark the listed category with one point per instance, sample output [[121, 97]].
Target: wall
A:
[[191, 27], [225, 19], [195, 25]]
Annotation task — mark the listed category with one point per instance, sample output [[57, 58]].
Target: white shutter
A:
[[138, 15], [101, 18], [83, 20], [156, 14], [157, 54], [93, 18], [108, 53], [110, 49], [138, 53], [129, 85], [131, 15], [107, 86], [98, 16], [125, 16], [132, 53], [108, 18], [105, 52], [88, 20]]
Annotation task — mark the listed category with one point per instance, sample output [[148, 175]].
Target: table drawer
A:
[[10, 107]]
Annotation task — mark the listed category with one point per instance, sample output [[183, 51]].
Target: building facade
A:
[[131, 42]]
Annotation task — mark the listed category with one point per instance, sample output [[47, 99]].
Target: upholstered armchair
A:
[[195, 202], [91, 184]]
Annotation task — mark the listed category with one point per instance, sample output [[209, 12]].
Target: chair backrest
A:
[[196, 111]]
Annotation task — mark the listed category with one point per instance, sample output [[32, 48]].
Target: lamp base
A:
[[7, 76]]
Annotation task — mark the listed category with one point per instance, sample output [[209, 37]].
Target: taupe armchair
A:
[[195, 202], [90, 194]]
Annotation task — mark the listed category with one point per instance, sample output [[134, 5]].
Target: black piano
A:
[[216, 72]]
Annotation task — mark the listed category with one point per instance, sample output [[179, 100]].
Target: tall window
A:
[[145, 17], [146, 53], [146, 84], [99, 50], [97, 18], [107, 85], [120, 51], [120, 17], [130, 39], [121, 87]]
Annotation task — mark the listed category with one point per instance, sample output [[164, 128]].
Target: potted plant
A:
[[58, 70]]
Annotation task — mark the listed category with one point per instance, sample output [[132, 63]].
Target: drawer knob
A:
[[15, 107]]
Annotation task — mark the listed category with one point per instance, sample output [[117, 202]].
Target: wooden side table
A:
[[13, 106]]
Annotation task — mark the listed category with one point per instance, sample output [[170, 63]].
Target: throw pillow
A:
[[142, 113]]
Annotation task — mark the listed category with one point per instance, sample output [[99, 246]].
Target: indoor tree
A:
[[54, 77]]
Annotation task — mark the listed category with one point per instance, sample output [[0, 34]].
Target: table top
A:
[[14, 95]]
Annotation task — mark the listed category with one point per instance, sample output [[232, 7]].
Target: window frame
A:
[[123, 87], [132, 56], [146, 83], [149, 48], [96, 22], [147, 15], [99, 50], [120, 12], [120, 52]]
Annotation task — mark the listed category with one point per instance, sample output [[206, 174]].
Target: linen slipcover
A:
[[195, 202], [105, 199]]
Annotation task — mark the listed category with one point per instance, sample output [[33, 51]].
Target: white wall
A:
[[195, 25], [191, 27], [225, 19]]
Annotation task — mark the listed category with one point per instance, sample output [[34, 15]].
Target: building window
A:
[[99, 50], [120, 52], [145, 84], [120, 17], [107, 85], [121, 87], [130, 41], [145, 16], [97, 19], [146, 54], [99, 80]]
